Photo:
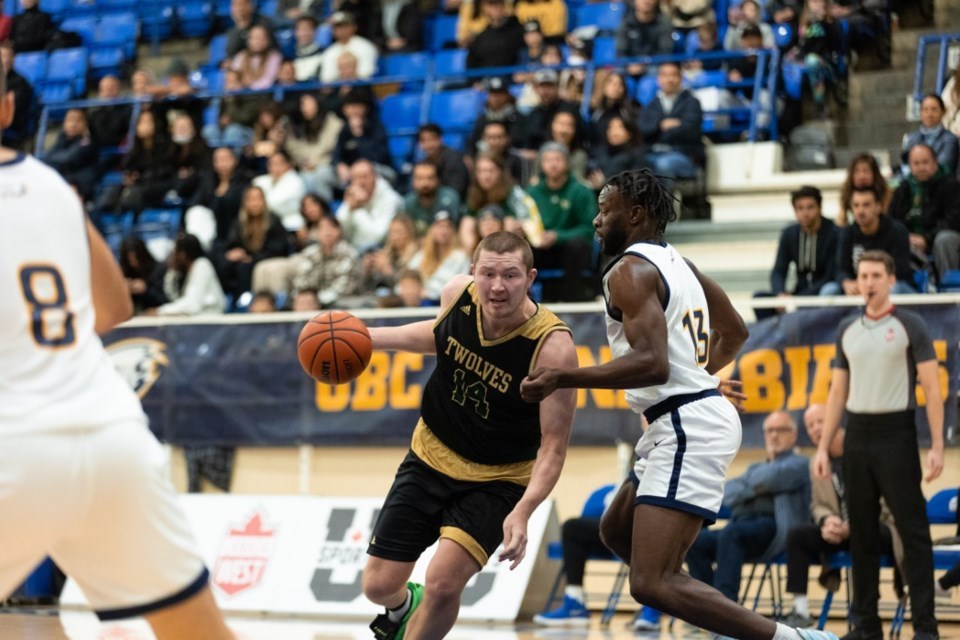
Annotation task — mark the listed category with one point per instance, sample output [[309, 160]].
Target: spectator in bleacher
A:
[[148, 168], [536, 125], [472, 20], [16, 134], [809, 245], [611, 99], [331, 266], [176, 93], [381, 267], [347, 68], [399, 28], [258, 63], [269, 117], [745, 68], [533, 46], [363, 138], [143, 273], [409, 289], [687, 15], [6, 26], [74, 154], [312, 208], [262, 302], [497, 143], [287, 77], [217, 200], [819, 46], [191, 283], [492, 184], [748, 14], [564, 131], [109, 124], [245, 16], [256, 235], [500, 106], [645, 31], [365, 12], [191, 156], [623, 149], [142, 82], [707, 42], [238, 113], [765, 503], [309, 55], [862, 172], [500, 43], [440, 257], [283, 188], [951, 102], [927, 202], [428, 196], [785, 11], [871, 230], [933, 134], [814, 542], [345, 39], [312, 141], [369, 204], [32, 28], [671, 126], [549, 15], [567, 208], [449, 162]]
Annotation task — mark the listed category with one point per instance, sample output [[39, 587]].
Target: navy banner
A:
[[241, 384]]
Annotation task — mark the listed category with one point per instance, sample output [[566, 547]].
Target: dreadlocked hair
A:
[[642, 188]]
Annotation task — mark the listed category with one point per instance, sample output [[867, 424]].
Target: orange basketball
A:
[[334, 347]]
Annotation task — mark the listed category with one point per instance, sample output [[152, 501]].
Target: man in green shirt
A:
[[427, 197], [567, 208]]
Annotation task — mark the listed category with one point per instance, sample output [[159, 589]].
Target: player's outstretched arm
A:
[[111, 296], [418, 337], [728, 332], [556, 423], [636, 290]]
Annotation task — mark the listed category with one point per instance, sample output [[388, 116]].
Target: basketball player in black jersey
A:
[[481, 459]]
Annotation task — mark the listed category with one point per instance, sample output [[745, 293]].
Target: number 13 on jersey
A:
[[693, 323]]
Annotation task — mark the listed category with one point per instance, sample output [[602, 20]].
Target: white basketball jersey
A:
[[688, 327], [54, 371]]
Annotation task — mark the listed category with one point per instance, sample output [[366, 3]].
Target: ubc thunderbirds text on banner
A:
[[241, 384]]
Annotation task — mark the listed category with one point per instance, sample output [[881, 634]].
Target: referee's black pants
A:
[[881, 459]]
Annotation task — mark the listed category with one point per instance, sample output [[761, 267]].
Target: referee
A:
[[881, 353]]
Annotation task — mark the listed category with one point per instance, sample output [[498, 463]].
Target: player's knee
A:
[[613, 539], [443, 591], [648, 590], [379, 589]]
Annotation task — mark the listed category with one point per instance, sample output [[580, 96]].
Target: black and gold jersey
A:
[[472, 402]]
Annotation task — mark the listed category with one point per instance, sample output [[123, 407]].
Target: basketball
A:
[[334, 347]]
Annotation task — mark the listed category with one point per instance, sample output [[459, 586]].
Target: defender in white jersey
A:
[[670, 329], [82, 479]]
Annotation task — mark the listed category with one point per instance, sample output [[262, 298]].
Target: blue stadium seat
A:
[[456, 141], [85, 27], [286, 42], [69, 65], [721, 7], [80, 8], [109, 7], [444, 32], [455, 110], [157, 18], [400, 113], [324, 36], [692, 42], [605, 16], [646, 90], [217, 50], [32, 66], [55, 92], [708, 79], [106, 61], [450, 62], [604, 50], [793, 79], [267, 8], [9, 7], [154, 223], [56, 8], [401, 151], [222, 7], [679, 42], [782, 35], [411, 65], [195, 18], [119, 30]]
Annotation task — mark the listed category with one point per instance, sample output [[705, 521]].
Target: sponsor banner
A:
[[305, 556], [240, 384]]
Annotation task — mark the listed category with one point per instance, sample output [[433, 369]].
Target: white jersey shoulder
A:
[[688, 326], [54, 371]]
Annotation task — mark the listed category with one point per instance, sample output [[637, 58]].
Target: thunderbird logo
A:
[[140, 362], [244, 555]]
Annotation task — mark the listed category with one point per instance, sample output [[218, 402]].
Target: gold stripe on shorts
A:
[[428, 447]]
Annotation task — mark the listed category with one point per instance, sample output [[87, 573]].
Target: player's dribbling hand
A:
[[935, 462], [514, 540], [539, 384], [821, 465], [731, 390]]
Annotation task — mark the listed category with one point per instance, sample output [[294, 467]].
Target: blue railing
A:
[[765, 80], [943, 40]]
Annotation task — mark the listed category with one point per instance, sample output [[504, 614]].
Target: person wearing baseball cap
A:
[[500, 106], [550, 17], [346, 40], [533, 43], [490, 220], [537, 125]]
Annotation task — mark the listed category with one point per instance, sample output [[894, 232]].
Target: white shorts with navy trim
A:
[[683, 457], [100, 503]]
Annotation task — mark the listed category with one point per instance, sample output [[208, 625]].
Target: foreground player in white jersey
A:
[[82, 479], [670, 329]]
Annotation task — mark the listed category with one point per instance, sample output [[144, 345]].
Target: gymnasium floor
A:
[[47, 625]]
